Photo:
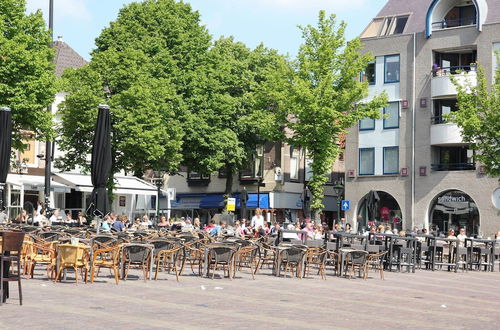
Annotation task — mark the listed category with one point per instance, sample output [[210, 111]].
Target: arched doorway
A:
[[379, 207], [454, 209]]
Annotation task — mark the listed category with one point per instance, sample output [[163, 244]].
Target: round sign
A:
[[495, 198]]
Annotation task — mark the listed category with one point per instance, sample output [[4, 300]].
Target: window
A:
[[254, 170], [392, 113], [400, 24], [442, 108], [197, 176], [294, 163], [308, 170], [373, 29], [391, 160], [366, 161], [387, 25], [391, 68], [369, 74], [367, 124]]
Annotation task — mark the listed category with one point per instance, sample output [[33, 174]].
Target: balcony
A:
[[453, 167], [443, 133], [441, 84]]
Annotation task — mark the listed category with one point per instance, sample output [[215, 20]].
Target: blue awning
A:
[[212, 202], [217, 201], [252, 201]]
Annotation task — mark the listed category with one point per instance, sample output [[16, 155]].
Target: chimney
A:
[[60, 39]]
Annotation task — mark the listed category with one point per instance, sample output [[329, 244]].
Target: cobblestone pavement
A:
[[423, 300]]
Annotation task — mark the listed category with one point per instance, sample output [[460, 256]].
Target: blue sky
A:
[[273, 22]]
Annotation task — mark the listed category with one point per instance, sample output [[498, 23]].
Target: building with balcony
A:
[[274, 181], [417, 162]]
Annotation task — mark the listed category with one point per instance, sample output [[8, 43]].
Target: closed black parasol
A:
[[101, 161], [371, 204], [306, 202], [5, 149]]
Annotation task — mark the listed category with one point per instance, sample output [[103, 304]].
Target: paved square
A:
[[415, 301]]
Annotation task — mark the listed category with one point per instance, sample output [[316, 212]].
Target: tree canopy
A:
[[225, 126], [478, 116], [143, 67], [319, 97], [27, 81]]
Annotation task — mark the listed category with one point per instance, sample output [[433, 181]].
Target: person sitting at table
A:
[[146, 223], [106, 223], [451, 234], [164, 222], [210, 226], [196, 224], [188, 226], [81, 221], [388, 230], [218, 230], [118, 224], [41, 220], [238, 231], [309, 229], [276, 228], [137, 224], [318, 232], [55, 215], [21, 217], [348, 228], [69, 219]]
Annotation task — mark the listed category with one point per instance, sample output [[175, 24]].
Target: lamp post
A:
[[339, 190], [158, 180], [48, 143]]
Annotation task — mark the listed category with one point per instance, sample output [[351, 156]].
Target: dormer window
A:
[[445, 14], [386, 26]]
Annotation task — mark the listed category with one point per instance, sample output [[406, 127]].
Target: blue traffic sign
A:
[[346, 205]]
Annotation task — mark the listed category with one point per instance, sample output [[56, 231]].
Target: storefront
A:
[[454, 209], [379, 207]]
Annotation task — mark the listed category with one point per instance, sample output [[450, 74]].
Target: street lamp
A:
[[48, 142], [339, 190], [158, 180]]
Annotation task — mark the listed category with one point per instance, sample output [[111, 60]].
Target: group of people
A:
[[40, 218]]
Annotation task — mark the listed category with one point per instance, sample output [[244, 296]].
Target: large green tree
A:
[[27, 81], [224, 125], [319, 97], [144, 67], [478, 116]]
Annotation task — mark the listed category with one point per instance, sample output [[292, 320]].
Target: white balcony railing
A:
[[442, 86], [446, 134]]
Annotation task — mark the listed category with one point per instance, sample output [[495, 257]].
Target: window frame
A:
[[383, 160], [367, 129], [384, 113], [359, 161], [385, 69]]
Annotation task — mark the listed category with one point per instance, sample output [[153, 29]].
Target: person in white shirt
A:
[[40, 219], [55, 216], [461, 236], [257, 219], [146, 222]]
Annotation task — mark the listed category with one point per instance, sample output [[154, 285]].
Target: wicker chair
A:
[[247, 257], [221, 256], [169, 259], [293, 258], [137, 255], [75, 257], [43, 254], [376, 262], [106, 258], [357, 260], [12, 244], [316, 258]]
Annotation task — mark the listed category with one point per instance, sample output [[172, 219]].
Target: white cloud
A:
[[63, 9], [331, 6]]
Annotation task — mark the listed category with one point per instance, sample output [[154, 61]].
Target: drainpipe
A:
[[414, 109]]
